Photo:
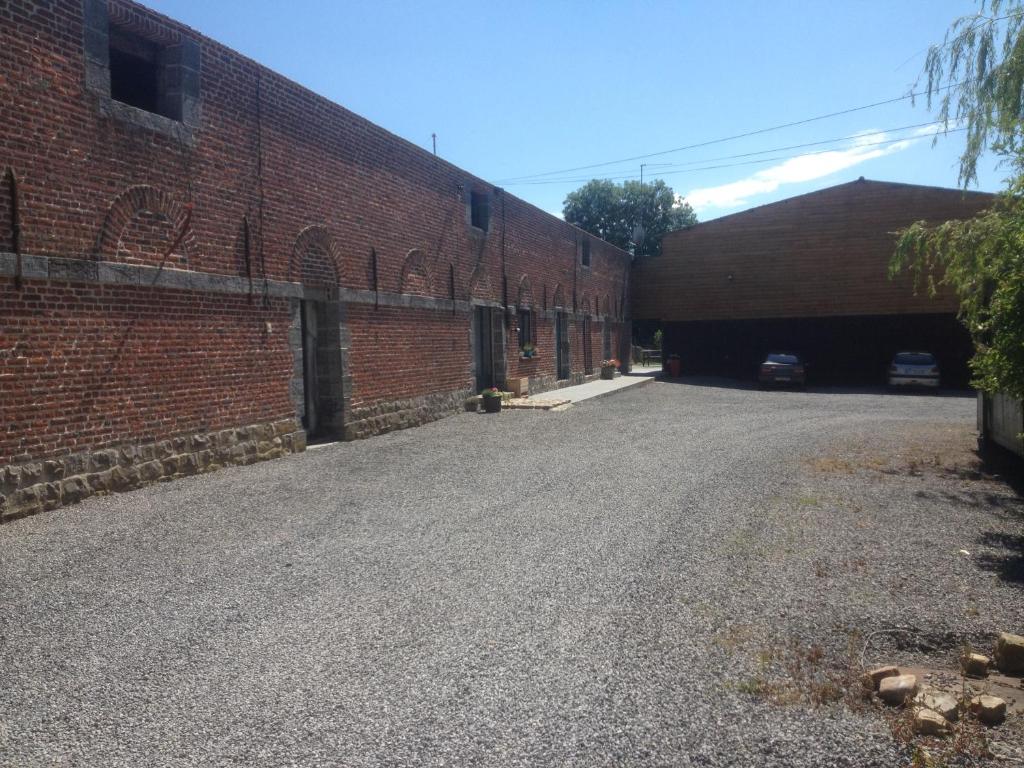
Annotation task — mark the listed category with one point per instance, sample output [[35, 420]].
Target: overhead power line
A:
[[583, 179], [664, 166], [698, 145]]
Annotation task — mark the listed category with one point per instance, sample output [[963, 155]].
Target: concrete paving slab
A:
[[602, 387]]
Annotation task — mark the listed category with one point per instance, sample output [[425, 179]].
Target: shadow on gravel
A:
[[720, 382], [1005, 555], [1008, 563]]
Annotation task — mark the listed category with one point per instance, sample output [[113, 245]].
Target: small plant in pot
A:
[[492, 400], [608, 368], [527, 351], [674, 365]]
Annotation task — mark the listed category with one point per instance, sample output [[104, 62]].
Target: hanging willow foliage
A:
[[982, 259], [975, 79]]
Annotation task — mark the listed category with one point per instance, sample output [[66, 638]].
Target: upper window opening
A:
[[479, 210], [135, 72], [585, 254]]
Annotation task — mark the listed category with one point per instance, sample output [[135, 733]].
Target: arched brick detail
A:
[[607, 309], [315, 259], [415, 278], [141, 224], [558, 297], [585, 305], [524, 299], [480, 283]]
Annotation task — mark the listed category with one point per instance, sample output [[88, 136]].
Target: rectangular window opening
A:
[[136, 72], [479, 210], [585, 254]]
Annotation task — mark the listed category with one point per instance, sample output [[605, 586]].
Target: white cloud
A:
[[798, 169]]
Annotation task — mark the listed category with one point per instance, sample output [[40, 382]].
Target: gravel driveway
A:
[[604, 586]]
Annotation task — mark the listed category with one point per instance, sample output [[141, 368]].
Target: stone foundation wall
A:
[[540, 384], [378, 418], [32, 487]]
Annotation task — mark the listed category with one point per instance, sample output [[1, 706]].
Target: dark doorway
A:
[[483, 347], [563, 359], [310, 420], [321, 369], [588, 347]]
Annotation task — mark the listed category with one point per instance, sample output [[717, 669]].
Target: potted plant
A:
[[675, 365], [527, 351], [608, 368], [492, 400]]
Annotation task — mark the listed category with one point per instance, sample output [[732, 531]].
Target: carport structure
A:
[[807, 274]]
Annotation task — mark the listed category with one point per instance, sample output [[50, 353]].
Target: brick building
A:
[[202, 263], [807, 274]]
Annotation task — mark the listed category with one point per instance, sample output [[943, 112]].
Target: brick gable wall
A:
[[823, 254]]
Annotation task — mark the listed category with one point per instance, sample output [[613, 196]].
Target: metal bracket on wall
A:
[[12, 181], [451, 285], [376, 284], [248, 253]]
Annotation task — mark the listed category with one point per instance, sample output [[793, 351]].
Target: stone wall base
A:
[[378, 418], [31, 487]]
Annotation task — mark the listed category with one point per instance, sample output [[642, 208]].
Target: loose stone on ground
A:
[[1009, 653], [895, 690]]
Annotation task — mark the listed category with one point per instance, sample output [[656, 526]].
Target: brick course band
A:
[[31, 487], [116, 273]]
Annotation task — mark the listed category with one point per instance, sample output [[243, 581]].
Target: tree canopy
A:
[[612, 212], [975, 79]]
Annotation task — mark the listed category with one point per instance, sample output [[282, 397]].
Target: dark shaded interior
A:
[[838, 350]]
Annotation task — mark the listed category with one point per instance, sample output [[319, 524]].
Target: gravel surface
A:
[[604, 586]]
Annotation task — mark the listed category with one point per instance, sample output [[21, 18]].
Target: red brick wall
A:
[[84, 366], [390, 363], [321, 189], [821, 254]]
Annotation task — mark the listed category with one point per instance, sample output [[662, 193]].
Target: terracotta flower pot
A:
[[675, 366]]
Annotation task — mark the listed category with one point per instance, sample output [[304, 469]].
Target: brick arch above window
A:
[[415, 277], [558, 297], [480, 283], [315, 258], [524, 298], [141, 224]]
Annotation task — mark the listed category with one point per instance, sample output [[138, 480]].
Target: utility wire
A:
[[850, 137], [914, 94], [732, 165]]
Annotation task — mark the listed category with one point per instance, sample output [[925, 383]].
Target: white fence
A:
[[1001, 420]]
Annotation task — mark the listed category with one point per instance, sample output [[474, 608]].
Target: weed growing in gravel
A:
[[968, 741], [795, 673]]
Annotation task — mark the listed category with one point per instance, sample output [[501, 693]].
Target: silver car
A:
[[914, 369]]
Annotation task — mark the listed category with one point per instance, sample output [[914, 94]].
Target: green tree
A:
[[975, 79], [612, 212]]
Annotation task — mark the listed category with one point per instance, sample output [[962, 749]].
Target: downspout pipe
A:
[[12, 180]]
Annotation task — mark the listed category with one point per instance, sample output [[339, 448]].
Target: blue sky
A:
[[516, 89]]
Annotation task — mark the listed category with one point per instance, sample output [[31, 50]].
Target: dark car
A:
[[782, 368]]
